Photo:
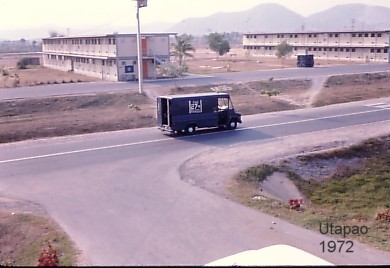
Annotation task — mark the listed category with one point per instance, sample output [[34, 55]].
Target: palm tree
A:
[[183, 46]]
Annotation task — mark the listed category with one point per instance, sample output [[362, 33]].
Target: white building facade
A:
[[365, 46], [111, 57]]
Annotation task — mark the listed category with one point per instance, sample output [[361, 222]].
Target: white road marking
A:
[[166, 139], [80, 151], [308, 120], [379, 105]]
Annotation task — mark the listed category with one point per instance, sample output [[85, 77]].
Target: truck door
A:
[[162, 111], [223, 111]]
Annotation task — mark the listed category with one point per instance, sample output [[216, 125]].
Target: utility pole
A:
[[140, 4]]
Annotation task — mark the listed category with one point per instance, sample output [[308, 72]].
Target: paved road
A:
[[234, 77], [120, 197]]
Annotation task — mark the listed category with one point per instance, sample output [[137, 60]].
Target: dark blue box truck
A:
[[306, 60], [186, 113]]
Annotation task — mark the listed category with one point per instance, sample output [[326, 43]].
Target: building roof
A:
[[318, 32], [111, 35]]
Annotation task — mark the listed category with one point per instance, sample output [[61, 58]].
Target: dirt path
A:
[[279, 187], [306, 99], [318, 83]]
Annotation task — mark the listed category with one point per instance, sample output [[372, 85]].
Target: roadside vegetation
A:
[[349, 195], [24, 238]]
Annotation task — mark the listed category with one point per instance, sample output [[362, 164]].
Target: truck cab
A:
[[188, 112]]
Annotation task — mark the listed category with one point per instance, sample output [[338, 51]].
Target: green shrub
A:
[[22, 63]]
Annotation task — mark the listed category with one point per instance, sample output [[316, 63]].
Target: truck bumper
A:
[[166, 128]]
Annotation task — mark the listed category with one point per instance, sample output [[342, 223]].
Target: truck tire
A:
[[190, 129], [232, 124]]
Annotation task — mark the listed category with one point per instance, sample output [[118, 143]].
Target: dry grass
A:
[[22, 236], [347, 88], [37, 75]]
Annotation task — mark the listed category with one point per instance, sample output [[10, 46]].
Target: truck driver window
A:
[[223, 104]]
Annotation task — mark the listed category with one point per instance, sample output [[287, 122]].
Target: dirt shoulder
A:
[[237, 158]]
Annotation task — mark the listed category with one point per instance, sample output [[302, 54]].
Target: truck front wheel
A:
[[232, 124], [190, 129]]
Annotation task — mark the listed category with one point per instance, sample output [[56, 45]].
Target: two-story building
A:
[[365, 46], [110, 57]]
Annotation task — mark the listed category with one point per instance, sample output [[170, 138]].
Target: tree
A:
[[218, 43], [183, 46], [55, 34], [283, 49], [22, 63], [171, 70]]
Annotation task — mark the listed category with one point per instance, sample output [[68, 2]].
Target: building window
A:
[[366, 35], [372, 50], [113, 41], [341, 49], [354, 35], [309, 35], [379, 50], [296, 36], [336, 35], [360, 35], [385, 50], [109, 41], [330, 35], [353, 50], [372, 35]]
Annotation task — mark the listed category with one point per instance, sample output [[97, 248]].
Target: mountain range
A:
[[261, 18], [276, 18]]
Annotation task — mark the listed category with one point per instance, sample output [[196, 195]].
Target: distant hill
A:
[[262, 18], [346, 17], [276, 18]]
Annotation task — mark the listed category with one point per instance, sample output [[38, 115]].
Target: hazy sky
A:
[[83, 14]]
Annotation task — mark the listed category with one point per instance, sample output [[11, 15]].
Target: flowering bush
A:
[[48, 256]]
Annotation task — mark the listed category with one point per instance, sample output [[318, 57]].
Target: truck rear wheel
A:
[[232, 124], [190, 129]]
